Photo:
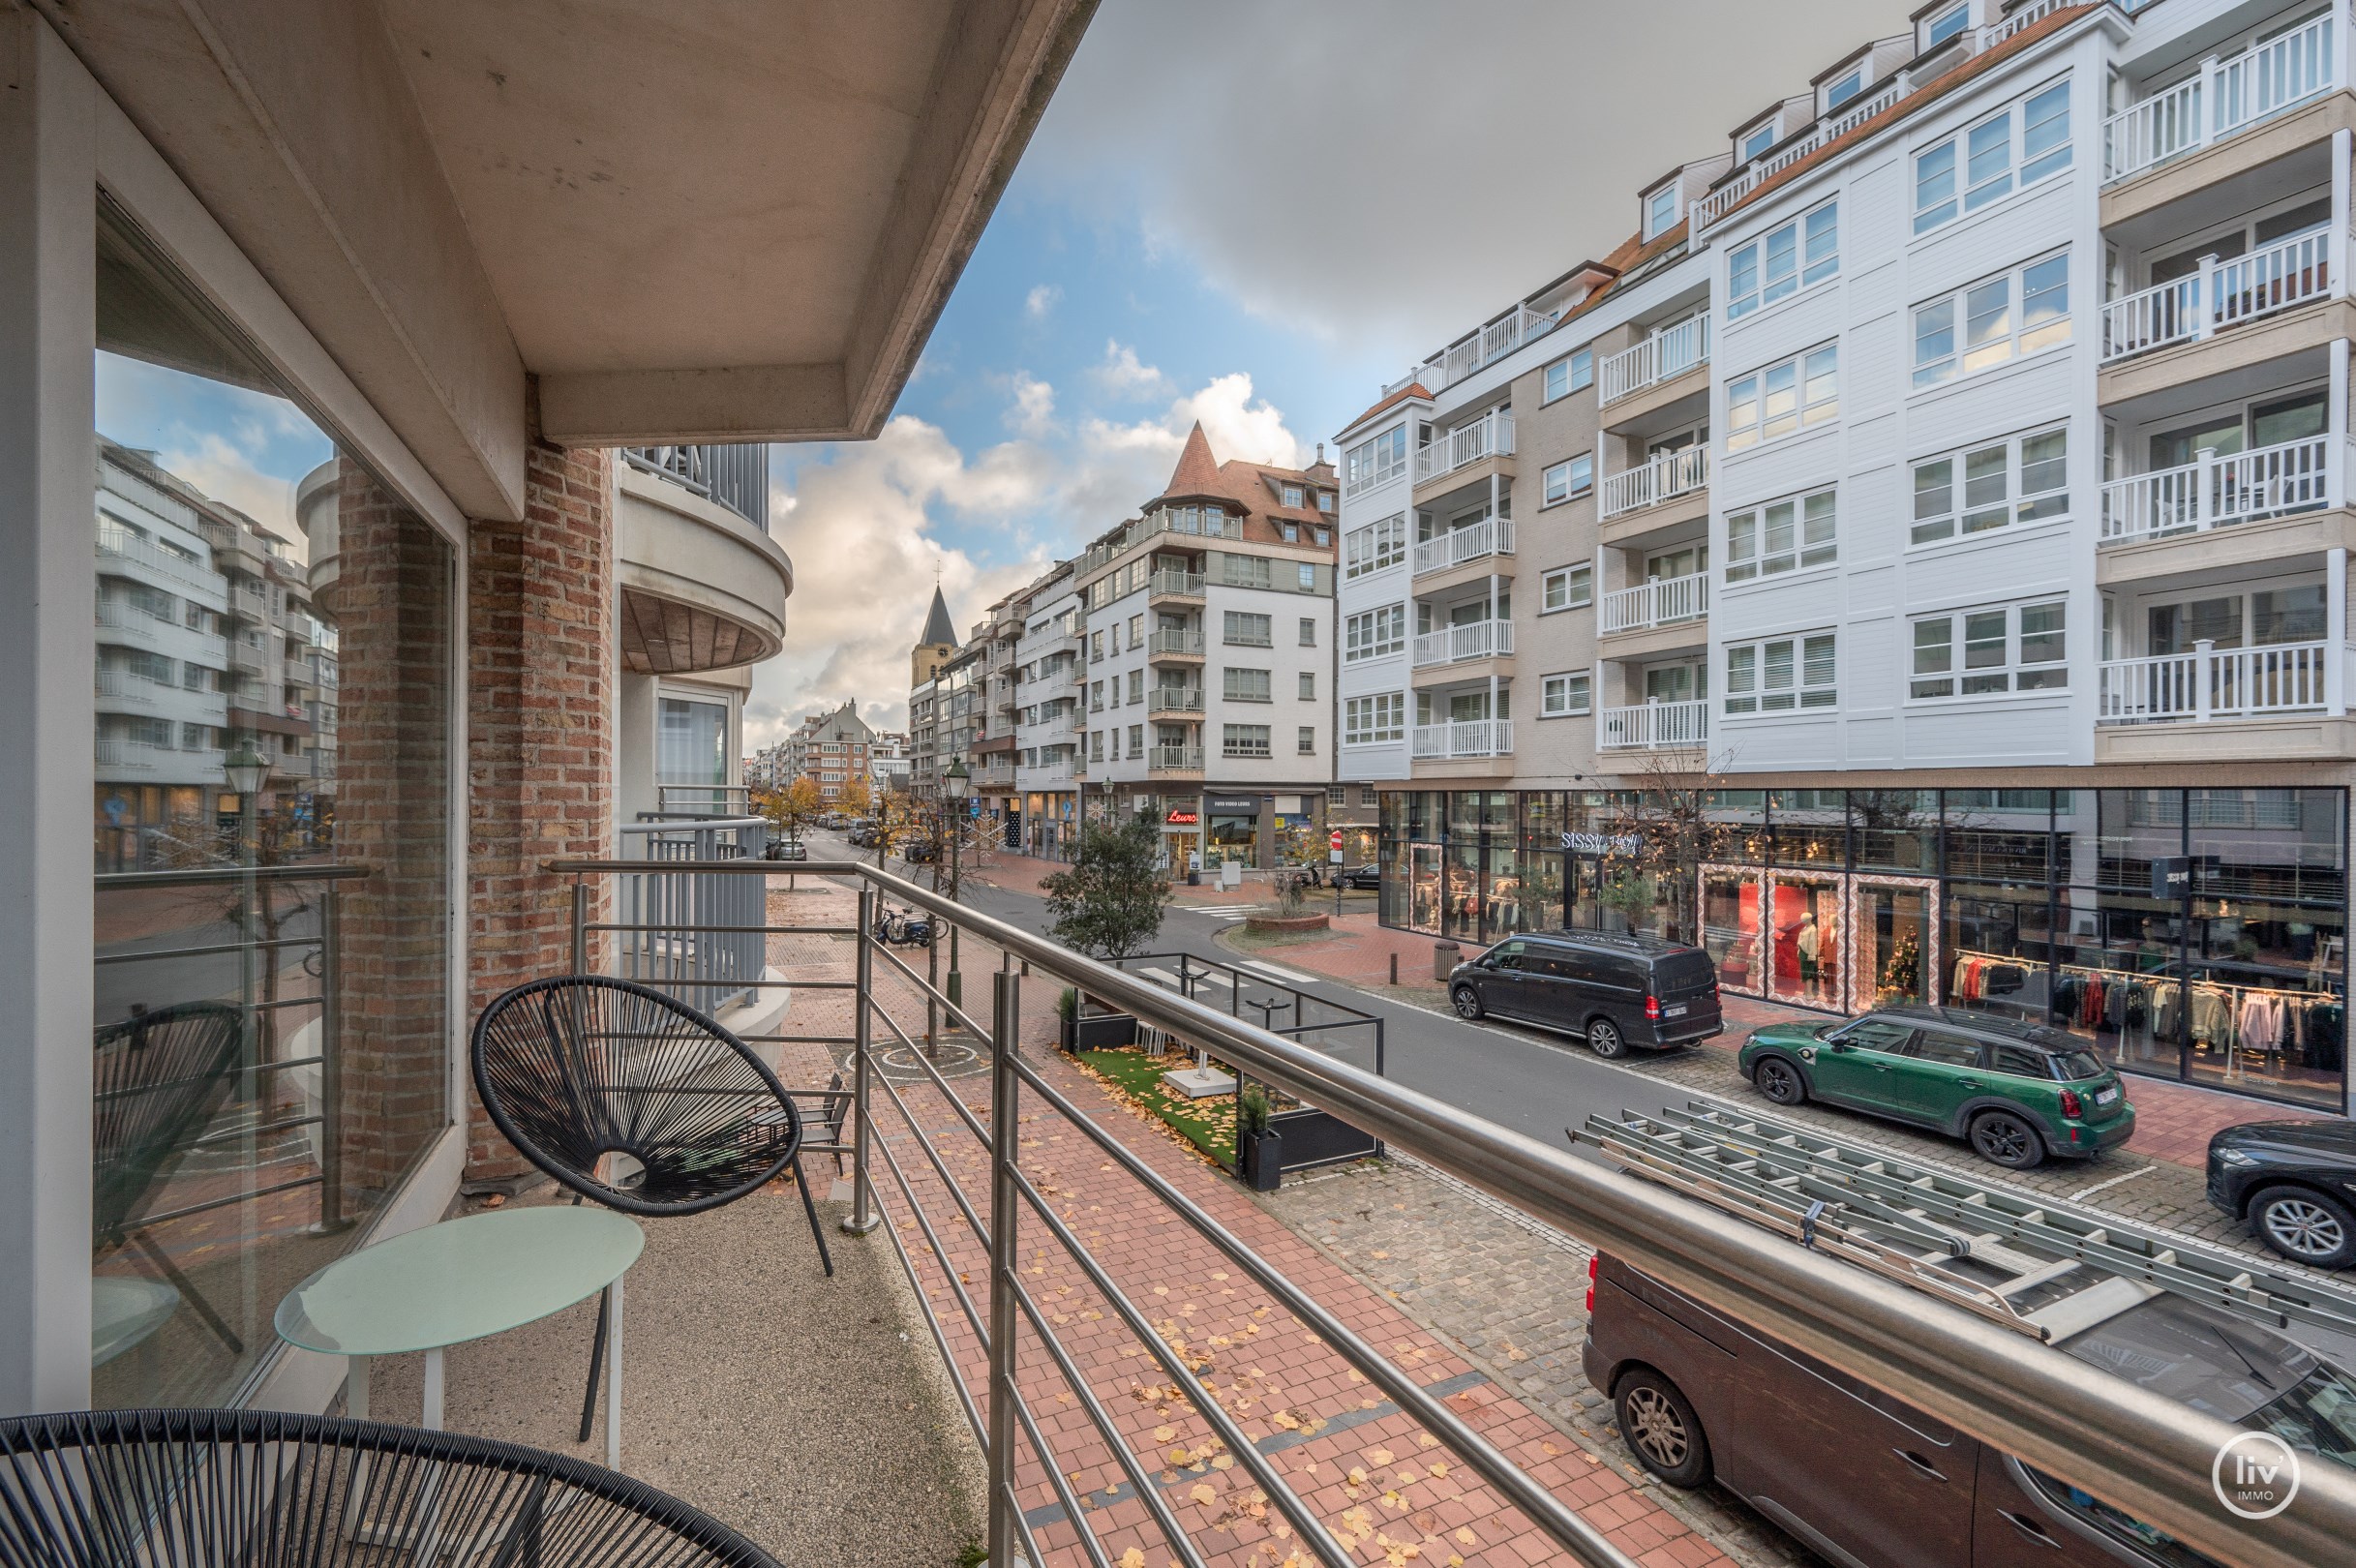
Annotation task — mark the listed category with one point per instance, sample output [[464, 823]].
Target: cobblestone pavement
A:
[[1507, 1293]]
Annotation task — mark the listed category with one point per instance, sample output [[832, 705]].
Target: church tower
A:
[[935, 646]]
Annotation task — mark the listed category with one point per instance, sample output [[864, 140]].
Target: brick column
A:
[[540, 660]]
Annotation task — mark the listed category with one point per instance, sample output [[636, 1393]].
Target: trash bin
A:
[[1445, 956]]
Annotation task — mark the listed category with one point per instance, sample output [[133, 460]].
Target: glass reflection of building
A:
[[2191, 934]]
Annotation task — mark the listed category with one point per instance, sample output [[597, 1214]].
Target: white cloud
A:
[[1032, 410], [1041, 299], [226, 471], [1121, 375]]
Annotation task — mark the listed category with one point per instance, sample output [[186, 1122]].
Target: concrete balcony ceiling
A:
[[693, 221], [701, 587]]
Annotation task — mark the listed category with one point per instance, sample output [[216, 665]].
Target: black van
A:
[[1619, 991]]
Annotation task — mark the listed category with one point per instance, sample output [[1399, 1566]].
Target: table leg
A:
[[613, 1385], [431, 1418], [355, 1387]]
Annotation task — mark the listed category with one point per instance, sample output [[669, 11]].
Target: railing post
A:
[[331, 1065], [862, 1216], [2203, 670], [1005, 1143], [2204, 479], [2204, 310]]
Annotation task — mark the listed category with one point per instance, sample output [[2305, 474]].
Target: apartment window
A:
[[1137, 686], [1243, 740], [1374, 633], [1992, 321], [1096, 745], [1781, 536], [1095, 696], [1660, 211], [1757, 141], [1779, 400], [1561, 696], [2010, 150], [1783, 260], [1370, 720], [1246, 685], [1246, 629], [1293, 533], [196, 736], [1292, 495], [1325, 504], [1574, 372], [1309, 631], [1307, 742], [1137, 629], [1377, 544], [1136, 741], [196, 678], [1851, 83], [1244, 571], [1304, 577], [1095, 647], [2019, 479], [1779, 674], [1375, 462], [1566, 587], [1309, 686], [1572, 477], [2000, 648], [1948, 25]]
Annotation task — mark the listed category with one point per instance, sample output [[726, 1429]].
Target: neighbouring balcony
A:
[[1652, 726], [1473, 640], [1174, 700], [1490, 435], [1167, 584], [1664, 478], [2212, 683], [2224, 98], [1661, 358], [1463, 737], [2290, 272], [1183, 645], [1174, 760], [1475, 349], [735, 476], [2216, 492], [1662, 602], [1475, 541]]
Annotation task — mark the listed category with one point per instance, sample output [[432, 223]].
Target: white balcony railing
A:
[[2223, 97], [1173, 700], [1463, 737], [1187, 584], [1490, 435], [118, 541], [1473, 640], [1175, 642], [1175, 759], [1664, 601], [1651, 726], [1474, 541], [2224, 684], [1475, 349], [2215, 492], [1665, 478], [1663, 356], [2289, 272]]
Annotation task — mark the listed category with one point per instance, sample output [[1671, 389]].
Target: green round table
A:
[[467, 1280]]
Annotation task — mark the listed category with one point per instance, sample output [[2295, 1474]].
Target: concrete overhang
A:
[[701, 587], [693, 221]]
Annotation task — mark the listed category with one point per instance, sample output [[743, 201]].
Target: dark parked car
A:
[[1869, 1480], [1619, 991], [2295, 1184], [2018, 1092], [1367, 877], [920, 851]]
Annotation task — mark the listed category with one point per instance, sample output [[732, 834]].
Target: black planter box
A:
[[1098, 1032], [1261, 1158]]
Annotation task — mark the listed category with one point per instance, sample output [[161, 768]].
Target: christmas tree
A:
[[1902, 970]]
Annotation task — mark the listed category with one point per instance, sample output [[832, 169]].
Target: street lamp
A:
[[954, 782], [248, 769]]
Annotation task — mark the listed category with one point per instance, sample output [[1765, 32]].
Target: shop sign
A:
[[1603, 843], [1183, 819], [1233, 805]]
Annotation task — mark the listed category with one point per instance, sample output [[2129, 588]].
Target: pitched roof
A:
[[1197, 471], [937, 628], [1413, 389]]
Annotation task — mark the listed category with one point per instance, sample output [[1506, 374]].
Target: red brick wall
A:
[[540, 735]]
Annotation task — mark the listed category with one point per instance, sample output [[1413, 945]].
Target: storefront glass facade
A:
[[2190, 934]]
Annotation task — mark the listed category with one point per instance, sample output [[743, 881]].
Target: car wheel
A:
[[2006, 1139], [1605, 1039], [2305, 1225], [1780, 1081], [1467, 1003], [1659, 1427]]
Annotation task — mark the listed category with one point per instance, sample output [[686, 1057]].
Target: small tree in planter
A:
[[1068, 1011], [1259, 1149], [1108, 905]]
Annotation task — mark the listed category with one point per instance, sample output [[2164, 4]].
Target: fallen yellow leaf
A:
[[1204, 1494], [1132, 1559], [1465, 1537], [1379, 1456]]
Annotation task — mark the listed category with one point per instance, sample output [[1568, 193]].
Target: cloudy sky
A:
[[1253, 214]]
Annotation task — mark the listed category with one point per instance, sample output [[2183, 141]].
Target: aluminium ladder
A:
[[2044, 1269]]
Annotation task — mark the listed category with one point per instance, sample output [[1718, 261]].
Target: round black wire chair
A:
[[265, 1489]]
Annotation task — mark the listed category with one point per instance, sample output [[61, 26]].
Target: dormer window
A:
[[1661, 211], [1292, 495], [1949, 23], [1758, 139], [1293, 533], [1325, 500], [1845, 86]]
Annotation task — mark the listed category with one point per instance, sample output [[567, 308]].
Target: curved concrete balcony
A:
[[702, 589]]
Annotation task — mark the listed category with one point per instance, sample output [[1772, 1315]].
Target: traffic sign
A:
[[1333, 842]]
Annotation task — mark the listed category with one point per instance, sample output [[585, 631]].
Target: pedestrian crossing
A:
[[1219, 911]]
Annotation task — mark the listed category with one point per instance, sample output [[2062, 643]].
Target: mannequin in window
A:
[[1810, 942]]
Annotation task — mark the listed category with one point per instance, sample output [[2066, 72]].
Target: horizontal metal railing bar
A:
[[667, 927], [208, 951], [1056, 1478], [932, 1238], [955, 1013], [212, 1140], [2137, 1450], [333, 871], [973, 1124], [182, 1083], [932, 1322], [209, 1205]]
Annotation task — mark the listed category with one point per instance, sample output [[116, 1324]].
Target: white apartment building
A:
[[1210, 623], [1931, 549], [1049, 677]]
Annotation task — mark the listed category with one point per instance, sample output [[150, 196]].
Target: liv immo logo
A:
[[2256, 1475]]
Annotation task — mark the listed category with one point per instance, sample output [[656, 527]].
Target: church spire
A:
[[938, 632]]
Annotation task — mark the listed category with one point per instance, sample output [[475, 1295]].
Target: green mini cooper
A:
[[2018, 1092]]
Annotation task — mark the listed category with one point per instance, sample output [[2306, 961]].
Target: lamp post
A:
[[247, 771], [954, 782]]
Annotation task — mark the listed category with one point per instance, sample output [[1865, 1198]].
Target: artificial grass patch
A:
[[1208, 1123]]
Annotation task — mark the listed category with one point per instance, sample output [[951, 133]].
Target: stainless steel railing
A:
[[2143, 1453]]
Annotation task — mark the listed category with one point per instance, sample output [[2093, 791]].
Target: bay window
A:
[[1781, 673], [2012, 149], [1782, 262], [1779, 400], [2017, 479], [1992, 321], [1996, 649], [1780, 536]]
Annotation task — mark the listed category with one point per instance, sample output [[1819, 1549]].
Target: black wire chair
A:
[[637, 1101], [160, 1077], [265, 1489]]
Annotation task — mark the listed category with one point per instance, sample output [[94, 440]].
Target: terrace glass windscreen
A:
[[270, 835]]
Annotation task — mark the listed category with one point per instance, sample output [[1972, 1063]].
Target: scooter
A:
[[904, 928]]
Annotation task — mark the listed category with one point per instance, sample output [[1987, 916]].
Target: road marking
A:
[[1219, 911], [2085, 1193], [1289, 975], [1162, 975]]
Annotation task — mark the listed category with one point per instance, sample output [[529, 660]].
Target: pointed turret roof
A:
[[938, 632], [1197, 471]]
